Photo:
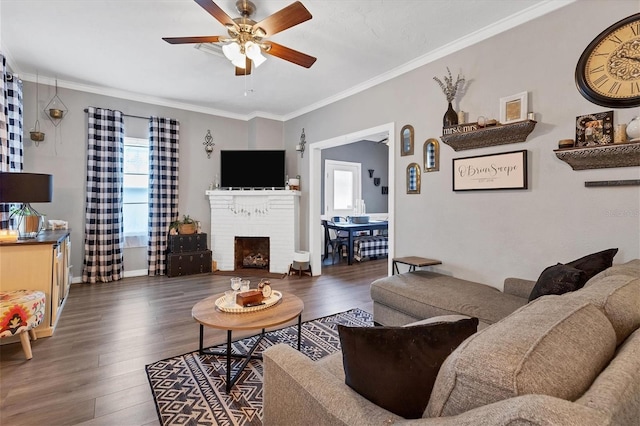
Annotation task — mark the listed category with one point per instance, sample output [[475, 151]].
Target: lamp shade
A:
[[25, 188]]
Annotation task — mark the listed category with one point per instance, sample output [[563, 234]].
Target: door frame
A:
[[315, 189]]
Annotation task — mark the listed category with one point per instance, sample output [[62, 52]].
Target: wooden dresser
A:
[[39, 264]]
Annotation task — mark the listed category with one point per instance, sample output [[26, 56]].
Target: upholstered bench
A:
[[371, 247], [20, 312]]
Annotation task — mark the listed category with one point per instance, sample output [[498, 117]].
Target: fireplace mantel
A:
[[254, 213]]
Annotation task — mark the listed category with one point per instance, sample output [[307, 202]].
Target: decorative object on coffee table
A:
[[450, 88]]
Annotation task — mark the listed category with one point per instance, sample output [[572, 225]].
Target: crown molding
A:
[[533, 12], [496, 28]]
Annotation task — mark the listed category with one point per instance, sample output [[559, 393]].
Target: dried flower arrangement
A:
[[449, 88]]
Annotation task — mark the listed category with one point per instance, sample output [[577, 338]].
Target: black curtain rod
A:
[[125, 115]]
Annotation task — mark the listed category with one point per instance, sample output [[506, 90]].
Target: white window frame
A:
[[330, 166]]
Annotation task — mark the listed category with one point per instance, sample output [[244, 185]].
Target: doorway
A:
[[315, 187]]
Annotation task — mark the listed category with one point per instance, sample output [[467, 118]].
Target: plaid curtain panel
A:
[[163, 188], [11, 151], [103, 230]]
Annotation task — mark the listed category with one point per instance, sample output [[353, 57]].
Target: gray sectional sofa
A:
[[412, 296], [572, 359]]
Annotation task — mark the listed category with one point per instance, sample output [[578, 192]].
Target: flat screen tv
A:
[[252, 169]]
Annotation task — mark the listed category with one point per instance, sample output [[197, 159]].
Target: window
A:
[[136, 192], [342, 187]]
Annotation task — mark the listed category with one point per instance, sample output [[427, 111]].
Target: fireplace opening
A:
[[251, 253]]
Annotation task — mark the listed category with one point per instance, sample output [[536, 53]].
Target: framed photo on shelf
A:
[[507, 170], [594, 129], [513, 108]]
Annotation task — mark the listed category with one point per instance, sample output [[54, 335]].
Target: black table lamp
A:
[[26, 188]]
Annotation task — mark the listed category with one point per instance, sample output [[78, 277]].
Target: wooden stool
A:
[[20, 312], [300, 257]]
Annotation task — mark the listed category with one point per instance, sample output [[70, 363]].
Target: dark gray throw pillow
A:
[[395, 367], [593, 264], [558, 279]]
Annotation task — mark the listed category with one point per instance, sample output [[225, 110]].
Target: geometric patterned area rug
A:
[[190, 389]]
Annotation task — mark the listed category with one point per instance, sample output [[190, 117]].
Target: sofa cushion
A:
[[616, 390], [554, 346], [594, 263], [425, 294], [557, 279], [395, 367], [618, 296], [631, 268]]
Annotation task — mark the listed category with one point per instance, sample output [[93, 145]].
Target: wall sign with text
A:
[[507, 170]]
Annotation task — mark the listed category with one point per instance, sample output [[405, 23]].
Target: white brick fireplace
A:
[[254, 213]]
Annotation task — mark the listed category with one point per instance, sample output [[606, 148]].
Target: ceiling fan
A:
[[247, 38]]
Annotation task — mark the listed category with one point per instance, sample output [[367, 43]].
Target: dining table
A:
[[354, 229]]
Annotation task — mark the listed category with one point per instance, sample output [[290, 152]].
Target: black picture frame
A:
[[594, 129], [507, 170]]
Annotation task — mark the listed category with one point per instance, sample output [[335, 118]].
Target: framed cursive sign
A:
[[507, 170]]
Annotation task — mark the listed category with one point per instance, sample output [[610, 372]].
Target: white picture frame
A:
[[513, 108]]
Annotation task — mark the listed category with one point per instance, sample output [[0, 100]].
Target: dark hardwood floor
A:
[[91, 371]]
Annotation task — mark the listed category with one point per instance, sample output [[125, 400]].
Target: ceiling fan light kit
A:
[[245, 44]]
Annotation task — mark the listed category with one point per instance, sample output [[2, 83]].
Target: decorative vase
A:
[[450, 117], [633, 129]]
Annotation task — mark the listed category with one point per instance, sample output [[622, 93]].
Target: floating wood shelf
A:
[[602, 156], [500, 134]]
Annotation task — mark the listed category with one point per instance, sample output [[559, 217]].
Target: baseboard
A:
[[127, 274], [136, 273]]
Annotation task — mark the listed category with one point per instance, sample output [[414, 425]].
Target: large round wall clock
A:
[[608, 72]]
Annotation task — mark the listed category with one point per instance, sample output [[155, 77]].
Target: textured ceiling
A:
[[114, 47]]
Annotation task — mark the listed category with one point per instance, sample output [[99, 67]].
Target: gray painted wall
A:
[[487, 236], [63, 154], [483, 236], [370, 155]]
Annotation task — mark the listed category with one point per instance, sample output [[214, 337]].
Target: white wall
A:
[[489, 235]]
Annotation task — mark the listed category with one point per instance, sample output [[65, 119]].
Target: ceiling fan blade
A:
[[290, 55], [246, 70], [215, 11], [201, 39], [288, 17]]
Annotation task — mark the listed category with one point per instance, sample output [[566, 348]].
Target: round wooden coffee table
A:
[[208, 314]]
